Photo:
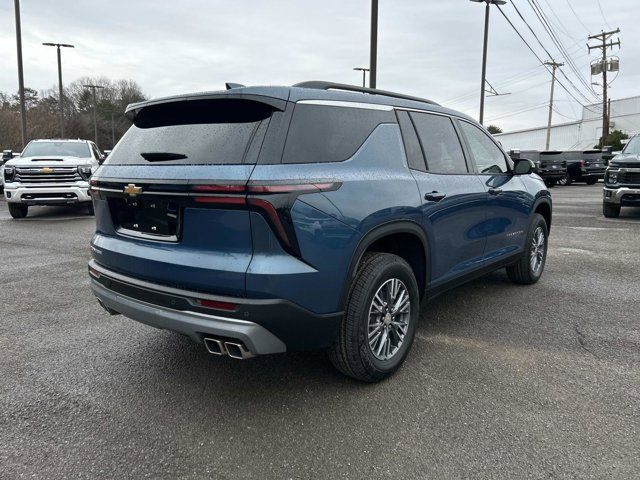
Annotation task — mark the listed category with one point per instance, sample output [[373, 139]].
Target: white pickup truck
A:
[[50, 172]]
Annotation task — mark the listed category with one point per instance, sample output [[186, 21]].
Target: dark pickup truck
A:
[[550, 165], [622, 180], [585, 166]]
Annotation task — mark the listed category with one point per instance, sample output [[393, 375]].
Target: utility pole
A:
[[603, 37], [60, 94], [113, 132], [23, 108], [364, 75], [95, 111], [373, 49], [484, 50], [553, 66]]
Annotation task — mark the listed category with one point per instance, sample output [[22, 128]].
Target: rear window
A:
[[200, 132], [321, 133], [57, 149]]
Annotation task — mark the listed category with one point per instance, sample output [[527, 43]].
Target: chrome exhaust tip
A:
[[215, 347], [237, 350]]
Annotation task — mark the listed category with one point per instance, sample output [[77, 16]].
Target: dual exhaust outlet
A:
[[235, 350]]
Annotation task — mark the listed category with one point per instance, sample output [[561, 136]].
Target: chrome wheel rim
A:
[[537, 250], [389, 316]]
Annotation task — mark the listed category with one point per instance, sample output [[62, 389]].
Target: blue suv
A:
[[261, 220]]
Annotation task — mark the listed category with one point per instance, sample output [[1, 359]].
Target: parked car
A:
[[259, 220], [50, 172], [584, 166], [6, 156], [622, 180], [549, 165]]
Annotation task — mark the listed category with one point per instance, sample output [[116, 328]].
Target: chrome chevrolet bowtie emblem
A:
[[47, 170], [132, 190]]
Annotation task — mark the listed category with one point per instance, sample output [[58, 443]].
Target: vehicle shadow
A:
[[183, 361]]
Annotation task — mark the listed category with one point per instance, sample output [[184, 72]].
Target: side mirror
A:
[[523, 166], [7, 155]]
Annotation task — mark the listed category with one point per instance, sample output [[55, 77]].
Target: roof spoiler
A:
[[322, 85]]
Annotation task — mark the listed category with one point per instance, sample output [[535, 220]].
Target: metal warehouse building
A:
[[580, 135]]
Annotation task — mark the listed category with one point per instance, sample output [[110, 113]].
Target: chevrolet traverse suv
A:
[[260, 220]]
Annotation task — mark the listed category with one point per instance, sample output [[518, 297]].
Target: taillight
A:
[[273, 200]]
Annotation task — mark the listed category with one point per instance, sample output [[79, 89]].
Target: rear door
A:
[[508, 202], [454, 199], [170, 198]]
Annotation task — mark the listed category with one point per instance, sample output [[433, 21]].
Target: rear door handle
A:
[[434, 196], [495, 191]]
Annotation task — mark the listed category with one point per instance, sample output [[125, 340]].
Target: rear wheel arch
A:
[[403, 238]]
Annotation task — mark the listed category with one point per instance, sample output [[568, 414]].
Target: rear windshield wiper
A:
[[162, 156]]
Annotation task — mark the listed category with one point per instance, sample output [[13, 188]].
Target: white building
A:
[[580, 135]]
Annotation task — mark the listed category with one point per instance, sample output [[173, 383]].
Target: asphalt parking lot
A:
[[503, 381]]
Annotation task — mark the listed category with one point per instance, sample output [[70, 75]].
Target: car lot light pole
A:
[[364, 74], [484, 50], [373, 47], [95, 110], [60, 94], [23, 109]]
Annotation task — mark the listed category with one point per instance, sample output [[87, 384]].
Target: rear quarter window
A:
[[322, 133], [202, 132]]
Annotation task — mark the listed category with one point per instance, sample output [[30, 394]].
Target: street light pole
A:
[[373, 49], [364, 73], [23, 108], [484, 50], [95, 112], [60, 94]]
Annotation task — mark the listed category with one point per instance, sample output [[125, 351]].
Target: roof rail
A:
[[322, 85]]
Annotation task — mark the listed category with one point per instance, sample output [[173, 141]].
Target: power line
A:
[[588, 100], [577, 17], [535, 6], [603, 17], [538, 57]]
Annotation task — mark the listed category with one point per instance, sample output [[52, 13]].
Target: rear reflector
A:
[[218, 305]]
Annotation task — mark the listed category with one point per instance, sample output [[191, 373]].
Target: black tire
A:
[[550, 183], [90, 209], [18, 210], [351, 352], [522, 271], [592, 181], [610, 210]]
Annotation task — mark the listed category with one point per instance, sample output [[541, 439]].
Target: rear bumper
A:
[[622, 195], [264, 326], [47, 194], [552, 174]]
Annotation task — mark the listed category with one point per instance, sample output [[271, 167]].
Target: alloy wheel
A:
[[537, 250], [389, 316]]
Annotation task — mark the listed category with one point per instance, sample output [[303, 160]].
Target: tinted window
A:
[[59, 149], [411, 143], [211, 132], [320, 133], [440, 143], [486, 154]]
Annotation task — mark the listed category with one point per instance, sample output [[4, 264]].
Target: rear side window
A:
[[411, 142], [487, 155], [321, 133], [440, 143], [200, 132]]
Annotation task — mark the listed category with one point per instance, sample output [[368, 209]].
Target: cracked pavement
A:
[[503, 381]]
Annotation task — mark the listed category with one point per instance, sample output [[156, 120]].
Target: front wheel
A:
[[528, 269], [379, 324], [550, 183], [610, 210], [18, 210], [592, 181], [566, 181]]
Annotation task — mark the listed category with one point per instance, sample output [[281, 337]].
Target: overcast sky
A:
[[427, 48]]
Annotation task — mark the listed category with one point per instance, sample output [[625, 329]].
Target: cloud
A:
[[426, 48]]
